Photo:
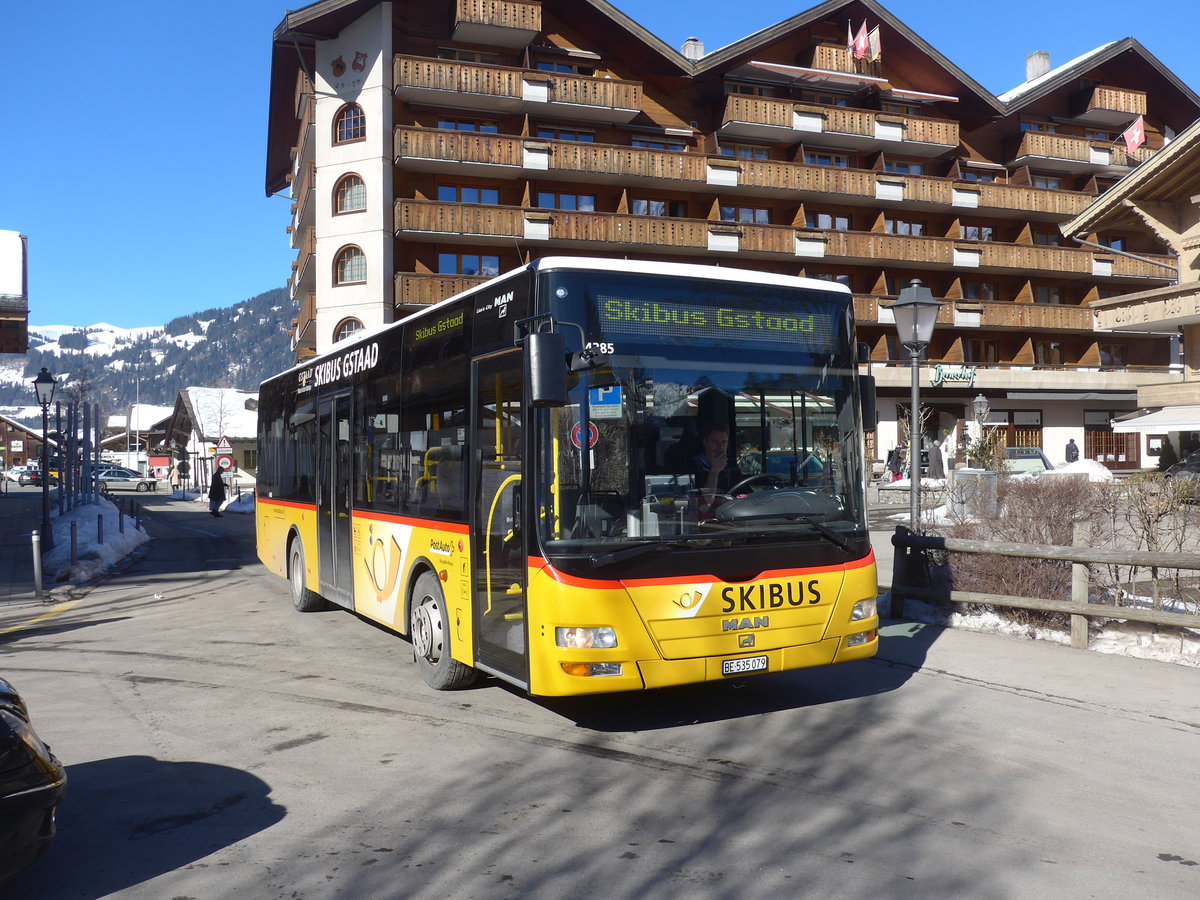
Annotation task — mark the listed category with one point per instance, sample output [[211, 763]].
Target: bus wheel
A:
[[302, 598], [429, 628]]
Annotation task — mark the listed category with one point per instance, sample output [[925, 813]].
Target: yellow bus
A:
[[585, 476]]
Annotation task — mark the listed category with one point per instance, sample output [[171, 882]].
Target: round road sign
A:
[[577, 435], [225, 463]]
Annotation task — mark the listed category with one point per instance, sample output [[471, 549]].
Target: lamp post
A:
[[43, 388], [915, 313], [980, 407]]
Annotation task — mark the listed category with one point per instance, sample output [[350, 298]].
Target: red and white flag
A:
[[1135, 135], [862, 43]]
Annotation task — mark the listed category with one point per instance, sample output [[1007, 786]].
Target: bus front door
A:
[[333, 500], [497, 528]]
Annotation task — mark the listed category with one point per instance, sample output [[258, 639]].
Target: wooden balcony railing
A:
[[458, 146], [993, 314], [1071, 147], [413, 289], [302, 185], [654, 231], [1136, 268], [630, 162], [845, 120], [758, 110], [867, 245], [1040, 200], [797, 177], [430, 216], [501, 14], [1120, 102], [425, 73], [832, 58]]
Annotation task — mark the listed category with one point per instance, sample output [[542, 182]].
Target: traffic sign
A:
[[224, 448], [225, 463], [577, 435]]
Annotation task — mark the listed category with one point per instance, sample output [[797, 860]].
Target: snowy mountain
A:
[[236, 346]]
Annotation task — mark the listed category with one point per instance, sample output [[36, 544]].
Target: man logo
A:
[[745, 640], [689, 600]]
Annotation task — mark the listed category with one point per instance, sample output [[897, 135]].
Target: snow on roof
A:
[[1022, 89], [222, 412]]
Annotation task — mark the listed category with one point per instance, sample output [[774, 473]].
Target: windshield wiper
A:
[[607, 559], [808, 519]]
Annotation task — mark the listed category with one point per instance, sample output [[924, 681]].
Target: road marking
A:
[[60, 608]]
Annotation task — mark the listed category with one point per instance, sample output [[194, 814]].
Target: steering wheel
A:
[[769, 478]]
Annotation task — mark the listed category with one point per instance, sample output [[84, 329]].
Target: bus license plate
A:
[[744, 665]]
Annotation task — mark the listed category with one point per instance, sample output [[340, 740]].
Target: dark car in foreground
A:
[[32, 782], [1188, 467]]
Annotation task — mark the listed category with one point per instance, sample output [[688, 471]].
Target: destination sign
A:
[[810, 327]]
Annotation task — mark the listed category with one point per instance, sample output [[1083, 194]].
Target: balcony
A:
[[991, 314], [431, 220], [1108, 106], [302, 203], [304, 267], [497, 23], [767, 118], [1071, 154], [492, 89], [304, 328], [415, 290]]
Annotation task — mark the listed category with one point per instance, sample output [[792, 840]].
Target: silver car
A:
[[117, 478]]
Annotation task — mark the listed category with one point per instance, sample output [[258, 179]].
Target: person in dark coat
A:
[[937, 465], [1072, 451], [216, 493]]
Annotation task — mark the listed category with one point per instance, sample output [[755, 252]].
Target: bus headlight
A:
[[585, 638], [863, 609]]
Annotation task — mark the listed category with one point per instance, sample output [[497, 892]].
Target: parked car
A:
[[32, 782], [15, 473], [118, 478], [34, 477], [1188, 467], [1027, 460]]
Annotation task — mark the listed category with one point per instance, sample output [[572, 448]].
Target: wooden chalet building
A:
[[429, 145]]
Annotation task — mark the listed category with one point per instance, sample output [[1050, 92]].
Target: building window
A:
[[1040, 127], [1112, 356], [831, 221], [837, 160], [1113, 243], [566, 68], [350, 195], [1048, 182], [747, 214], [980, 290], [451, 124], [468, 264], [1048, 295], [250, 459], [472, 56], [903, 226], [554, 133], [903, 109], [1047, 238], [1097, 135], [847, 280], [460, 193], [754, 90], [745, 151], [825, 99], [350, 124], [346, 328], [644, 206], [1048, 353], [659, 144], [554, 200], [978, 233], [977, 175], [980, 351], [350, 266], [904, 168]]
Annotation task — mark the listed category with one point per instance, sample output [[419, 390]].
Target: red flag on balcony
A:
[[1135, 135], [862, 44]]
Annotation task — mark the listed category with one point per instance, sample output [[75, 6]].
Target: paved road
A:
[[221, 745]]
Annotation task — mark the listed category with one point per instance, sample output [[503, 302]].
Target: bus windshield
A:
[[726, 415]]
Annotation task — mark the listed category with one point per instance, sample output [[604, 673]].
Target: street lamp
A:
[[915, 314], [980, 407], [43, 388]]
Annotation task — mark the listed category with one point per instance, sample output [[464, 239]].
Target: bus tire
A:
[[429, 630], [302, 598]]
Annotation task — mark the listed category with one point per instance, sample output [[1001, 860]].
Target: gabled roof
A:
[[1029, 91], [1171, 174]]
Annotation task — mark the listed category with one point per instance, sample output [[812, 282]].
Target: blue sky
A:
[[141, 190]]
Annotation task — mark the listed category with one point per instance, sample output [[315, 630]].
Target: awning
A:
[[1173, 418]]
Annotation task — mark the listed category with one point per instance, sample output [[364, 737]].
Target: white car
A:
[[16, 472], [118, 478]]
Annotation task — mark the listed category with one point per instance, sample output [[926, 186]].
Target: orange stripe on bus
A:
[[433, 524]]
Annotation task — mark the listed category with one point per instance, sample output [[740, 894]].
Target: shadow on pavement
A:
[[129, 819]]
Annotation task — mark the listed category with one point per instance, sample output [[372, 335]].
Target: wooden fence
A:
[[909, 570]]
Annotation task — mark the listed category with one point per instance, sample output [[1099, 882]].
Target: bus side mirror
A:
[[866, 392], [546, 352]]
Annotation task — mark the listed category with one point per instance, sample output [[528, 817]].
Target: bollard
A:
[[37, 563], [100, 529], [121, 521], [74, 542]]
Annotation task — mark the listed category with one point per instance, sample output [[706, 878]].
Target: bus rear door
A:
[[498, 537], [333, 500]]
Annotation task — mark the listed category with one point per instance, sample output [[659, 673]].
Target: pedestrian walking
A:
[[937, 465], [1072, 451], [174, 476], [216, 493]]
